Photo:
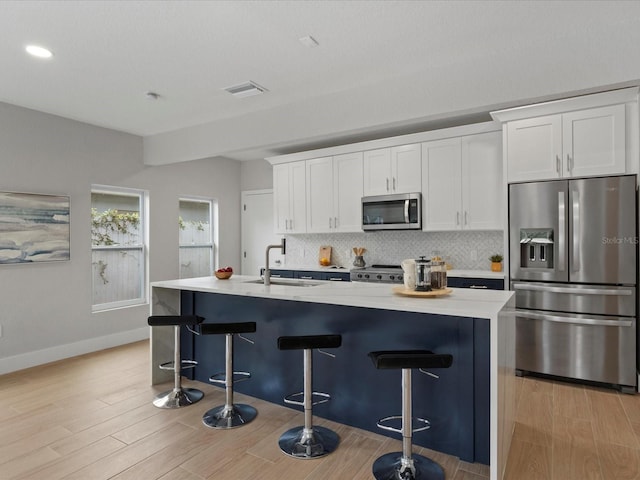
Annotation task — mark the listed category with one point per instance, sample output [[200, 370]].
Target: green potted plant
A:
[[496, 262]]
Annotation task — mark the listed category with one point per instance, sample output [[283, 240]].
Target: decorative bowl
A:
[[223, 275]]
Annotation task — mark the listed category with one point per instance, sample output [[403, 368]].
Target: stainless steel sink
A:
[[287, 282]]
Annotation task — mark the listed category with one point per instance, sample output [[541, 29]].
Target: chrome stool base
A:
[[391, 467], [178, 398], [224, 417], [300, 443]]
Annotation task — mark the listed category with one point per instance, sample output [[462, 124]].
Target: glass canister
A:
[[438, 274], [423, 275]]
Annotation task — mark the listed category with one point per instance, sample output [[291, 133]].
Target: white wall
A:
[[256, 175], [46, 308]]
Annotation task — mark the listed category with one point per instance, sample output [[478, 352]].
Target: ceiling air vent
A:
[[245, 89]]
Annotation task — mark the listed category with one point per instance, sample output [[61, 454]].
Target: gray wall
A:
[[256, 175], [46, 308]]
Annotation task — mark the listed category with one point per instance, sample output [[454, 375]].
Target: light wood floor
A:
[[91, 418]]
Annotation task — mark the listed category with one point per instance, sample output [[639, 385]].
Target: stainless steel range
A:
[[378, 274]]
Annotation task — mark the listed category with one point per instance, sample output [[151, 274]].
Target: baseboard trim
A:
[[60, 352]]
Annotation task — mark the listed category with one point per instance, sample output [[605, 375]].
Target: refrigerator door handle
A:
[[561, 231], [572, 290], [576, 321], [575, 230]]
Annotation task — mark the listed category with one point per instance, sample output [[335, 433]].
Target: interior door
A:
[[257, 231]]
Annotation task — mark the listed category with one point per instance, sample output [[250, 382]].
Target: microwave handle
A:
[[406, 211]]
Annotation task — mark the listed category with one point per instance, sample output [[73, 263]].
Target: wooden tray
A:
[[412, 293]]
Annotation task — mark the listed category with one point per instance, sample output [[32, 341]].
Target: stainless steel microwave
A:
[[392, 212]]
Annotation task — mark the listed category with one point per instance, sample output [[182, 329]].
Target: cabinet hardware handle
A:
[[558, 163], [335, 279], [478, 286], [335, 222], [394, 184], [387, 184], [569, 163], [466, 221], [306, 277]]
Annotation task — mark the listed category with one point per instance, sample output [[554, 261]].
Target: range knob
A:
[[366, 275], [359, 275], [392, 277], [379, 277]]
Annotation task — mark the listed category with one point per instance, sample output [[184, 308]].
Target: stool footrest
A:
[[383, 423], [184, 364], [289, 398], [221, 378]]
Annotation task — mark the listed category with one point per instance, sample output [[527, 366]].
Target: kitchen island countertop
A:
[[461, 302]]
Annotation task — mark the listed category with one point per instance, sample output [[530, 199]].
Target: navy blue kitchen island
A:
[[369, 317]]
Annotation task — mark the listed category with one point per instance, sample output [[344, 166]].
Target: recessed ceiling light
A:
[[38, 51], [309, 41], [246, 89]]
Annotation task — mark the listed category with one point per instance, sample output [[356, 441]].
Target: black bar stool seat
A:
[[229, 415], [308, 441], [178, 396], [405, 465]]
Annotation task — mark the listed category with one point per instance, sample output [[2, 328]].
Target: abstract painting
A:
[[33, 228]]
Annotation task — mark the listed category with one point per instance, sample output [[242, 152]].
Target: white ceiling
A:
[[382, 67]]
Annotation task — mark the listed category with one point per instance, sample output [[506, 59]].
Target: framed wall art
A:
[[33, 228]]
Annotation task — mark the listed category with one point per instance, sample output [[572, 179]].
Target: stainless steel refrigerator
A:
[[573, 249]]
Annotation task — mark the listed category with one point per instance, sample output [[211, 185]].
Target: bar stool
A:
[[404, 465], [178, 397], [308, 441], [230, 414]]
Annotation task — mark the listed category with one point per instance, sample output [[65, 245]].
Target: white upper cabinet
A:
[[593, 141], [392, 170], [462, 183], [334, 191], [289, 197], [482, 188], [441, 185], [583, 136]]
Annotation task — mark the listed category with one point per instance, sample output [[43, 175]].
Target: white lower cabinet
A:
[[334, 192], [462, 183], [289, 197]]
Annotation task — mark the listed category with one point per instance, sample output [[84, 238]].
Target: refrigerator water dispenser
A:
[[536, 248]]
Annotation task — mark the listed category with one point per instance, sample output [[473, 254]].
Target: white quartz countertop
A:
[[450, 273], [461, 302]]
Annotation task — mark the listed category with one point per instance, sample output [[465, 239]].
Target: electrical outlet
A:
[[473, 255]]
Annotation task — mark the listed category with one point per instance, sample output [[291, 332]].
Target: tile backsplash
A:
[[464, 250]]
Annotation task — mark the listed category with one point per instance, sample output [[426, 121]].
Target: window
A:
[[196, 237], [118, 243]]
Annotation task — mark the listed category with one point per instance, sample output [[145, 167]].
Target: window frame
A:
[[143, 248]]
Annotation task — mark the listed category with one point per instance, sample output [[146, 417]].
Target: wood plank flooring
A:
[[91, 418]]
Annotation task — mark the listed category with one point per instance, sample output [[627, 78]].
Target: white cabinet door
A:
[[377, 172], [441, 183], [298, 198], [319, 172], [406, 169], [347, 192], [582, 143], [482, 190], [534, 148], [594, 141], [289, 197], [281, 198]]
